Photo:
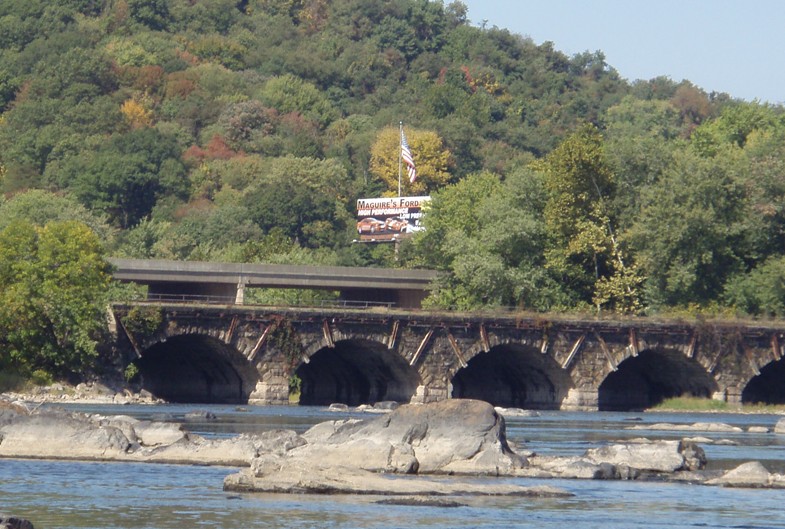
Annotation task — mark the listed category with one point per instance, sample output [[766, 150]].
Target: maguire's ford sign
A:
[[389, 219]]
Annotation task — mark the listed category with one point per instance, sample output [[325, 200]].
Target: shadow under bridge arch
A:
[[768, 387], [196, 368], [513, 376], [651, 377], [356, 372]]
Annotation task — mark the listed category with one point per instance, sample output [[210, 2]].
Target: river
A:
[[57, 494]]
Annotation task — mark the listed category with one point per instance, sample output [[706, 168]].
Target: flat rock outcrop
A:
[[620, 461], [695, 427], [63, 435]]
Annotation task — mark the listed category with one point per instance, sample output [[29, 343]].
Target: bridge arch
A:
[[513, 375], [768, 387], [356, 371], [196, 368], [652, 376]]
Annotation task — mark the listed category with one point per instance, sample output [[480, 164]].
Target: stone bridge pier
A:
[[188, 353]]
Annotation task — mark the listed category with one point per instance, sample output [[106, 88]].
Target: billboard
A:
[[389, 219]]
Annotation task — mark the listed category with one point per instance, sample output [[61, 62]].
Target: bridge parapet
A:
[[528, 361]]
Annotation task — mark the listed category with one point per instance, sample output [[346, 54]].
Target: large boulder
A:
[[749, 475], [357, 456], [453, 436]]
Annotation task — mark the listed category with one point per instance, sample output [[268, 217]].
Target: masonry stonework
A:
[[561, 363]]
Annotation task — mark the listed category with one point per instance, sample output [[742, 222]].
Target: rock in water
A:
[[779, 428], [453, 436], [354, 456], [657, 456], [10, 522], [747, 475]]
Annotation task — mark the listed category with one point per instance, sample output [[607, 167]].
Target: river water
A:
[[56, 494]]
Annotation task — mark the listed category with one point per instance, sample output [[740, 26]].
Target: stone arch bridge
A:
[[243, 354]]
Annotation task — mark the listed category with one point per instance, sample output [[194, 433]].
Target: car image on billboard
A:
[[370, 225]]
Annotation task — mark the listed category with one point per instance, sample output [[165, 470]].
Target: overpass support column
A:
[[239, 298], [581, 399]]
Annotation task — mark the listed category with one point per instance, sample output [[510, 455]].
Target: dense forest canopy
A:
[[246, 131]]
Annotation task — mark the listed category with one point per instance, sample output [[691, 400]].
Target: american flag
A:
[[406, 154]]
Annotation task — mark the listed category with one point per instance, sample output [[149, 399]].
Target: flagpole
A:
[[400, 154]]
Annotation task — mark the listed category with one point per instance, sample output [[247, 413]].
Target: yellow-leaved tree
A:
[[431, 159], [136, 114]]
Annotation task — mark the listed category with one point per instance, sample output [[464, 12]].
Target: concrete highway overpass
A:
[[226, 282]]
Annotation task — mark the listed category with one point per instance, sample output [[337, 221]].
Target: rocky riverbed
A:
[[434, 449]]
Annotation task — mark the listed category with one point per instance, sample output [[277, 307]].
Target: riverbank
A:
[[98, 393], [86, 393]]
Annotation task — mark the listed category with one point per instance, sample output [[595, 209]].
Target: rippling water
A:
[[55, 494]]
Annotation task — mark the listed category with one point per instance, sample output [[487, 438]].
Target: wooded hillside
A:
[[246, 131]]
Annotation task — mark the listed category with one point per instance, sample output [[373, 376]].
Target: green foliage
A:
[[296, 195], [152, 13], [489, 236], [295, 387], [691, 232], [53, 281], [41, 207], [131, 373], [283, 339], [761, 291], [143, 321], [288, 93], [693, 404], [584, 249], [127, 175], [233, 130]]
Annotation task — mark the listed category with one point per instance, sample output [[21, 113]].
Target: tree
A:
[[305, 198], [691, 234], [430, 157], [40, 207], [759, 292], [126, 177], [584, 249], [489, 237], [288, 93], [53, 280], [152, 13]]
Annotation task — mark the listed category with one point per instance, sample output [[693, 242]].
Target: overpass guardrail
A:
[[230, 300]]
